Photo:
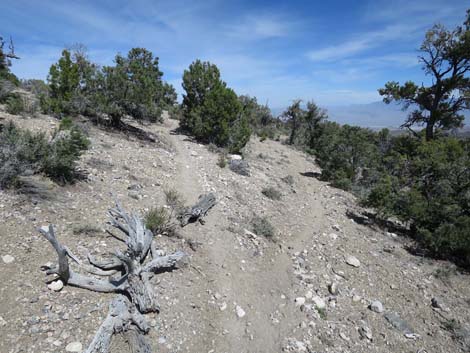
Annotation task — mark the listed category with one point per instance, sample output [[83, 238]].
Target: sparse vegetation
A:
[[263, 227], [272, 193], [222, 161], [25, 153], [158, 220], [14, 104], [174, 199]]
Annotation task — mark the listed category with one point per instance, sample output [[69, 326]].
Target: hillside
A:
[[307, 290]]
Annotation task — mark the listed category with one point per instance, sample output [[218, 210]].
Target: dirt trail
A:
[[255, 286], [281, 284]]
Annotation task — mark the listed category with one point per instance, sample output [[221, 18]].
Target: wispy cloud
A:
[[363, 42], [254, 27]]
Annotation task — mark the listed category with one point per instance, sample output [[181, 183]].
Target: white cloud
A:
[[261, 27], [363, 42]]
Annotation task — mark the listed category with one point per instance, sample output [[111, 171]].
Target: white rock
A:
[[194, 153], [365, 332], [309, 295], [353, 261], [223, 306], [56, 286], [2, 321], [8, 259], [356, 298], [377, 306], [74, 347], [333, 288], [318, 302], [235, 157], [299, 301], [240, 312]]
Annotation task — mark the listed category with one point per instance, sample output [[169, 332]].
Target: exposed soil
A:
[[229, 267]]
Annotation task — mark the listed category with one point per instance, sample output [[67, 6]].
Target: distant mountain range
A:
[[374, 115]]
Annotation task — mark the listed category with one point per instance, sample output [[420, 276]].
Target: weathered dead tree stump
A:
[[198, 211], [134, 267]]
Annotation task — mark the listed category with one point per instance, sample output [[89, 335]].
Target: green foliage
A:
[[5, 62], [271, 193], [23, 153], [212, 112], [133, 86], [262, 226], [304, 124], [63, 79], [14, 104], [158, 220], [222, 161], [444, 55], [259, 118]]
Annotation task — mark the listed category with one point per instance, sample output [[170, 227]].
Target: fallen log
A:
[[134, 294], [198, 211]]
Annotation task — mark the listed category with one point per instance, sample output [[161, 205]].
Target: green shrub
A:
[[25, 153], [14, 104], [158, 220], [212, 112], [261, 226], [222, 161], [21, 152], [174, 199], [271, 193]]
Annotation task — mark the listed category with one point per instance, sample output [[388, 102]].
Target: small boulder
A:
[[299, 301], [365, 332], [240, 312], [376, 306], [319, 302], [333, 288], [8, 259], [74, 347], [437, 303], [56, 286], [353, 261]]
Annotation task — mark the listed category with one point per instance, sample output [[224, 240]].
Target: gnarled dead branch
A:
[[198, 211], [135, 295]]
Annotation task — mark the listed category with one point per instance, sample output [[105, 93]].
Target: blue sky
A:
[[335, 52]]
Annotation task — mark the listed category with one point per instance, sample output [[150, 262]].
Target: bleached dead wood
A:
[[134, 292], [198, 211]]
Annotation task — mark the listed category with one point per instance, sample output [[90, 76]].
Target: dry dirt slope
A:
[[281, 286]]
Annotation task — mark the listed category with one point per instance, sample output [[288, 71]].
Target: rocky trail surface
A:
[[322, 283]]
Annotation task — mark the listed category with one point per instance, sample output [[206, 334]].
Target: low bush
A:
[[26, 153], [261, 226], [222, 161], [272, 193], [14, 104], [158, 220]]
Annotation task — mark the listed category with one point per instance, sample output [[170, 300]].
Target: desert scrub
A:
[[25, 153], [14, 104], [222, 161], [174, 200], [271, 193], [158, 220], [262, 226]]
